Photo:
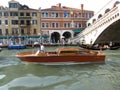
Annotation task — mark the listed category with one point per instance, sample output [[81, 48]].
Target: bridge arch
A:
[[55, 37], [111, 33], [67, 35]]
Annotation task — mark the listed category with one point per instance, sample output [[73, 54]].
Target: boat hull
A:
[[52, 59]]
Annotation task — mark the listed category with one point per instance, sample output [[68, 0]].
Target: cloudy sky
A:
[[94, 5]]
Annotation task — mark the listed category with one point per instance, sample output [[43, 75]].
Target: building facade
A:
[[60, 22], [18, 22], [55, 24]]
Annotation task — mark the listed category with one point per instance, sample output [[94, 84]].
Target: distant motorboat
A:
[[97, 48], [16, 46], [114, 47], [0, 49]]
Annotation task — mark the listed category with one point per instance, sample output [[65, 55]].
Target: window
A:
[[6, 31], [88, 15], [54, 14], [0, 14], [13, 13], [6, 22], [54, 25], [66, 25], [6, 14], [34, 14], [42, 14], [13, 5], [14, 31], [0, 22], [47, 25], [43, 25], [46, 14], [21, 14], [15, 22], [34, 22], [79, 25], [22, 31], [22, 22], [0, 31], [34, 31], [27, 14], [28, 22]]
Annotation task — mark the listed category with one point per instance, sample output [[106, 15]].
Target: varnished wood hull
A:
[[52, 59]]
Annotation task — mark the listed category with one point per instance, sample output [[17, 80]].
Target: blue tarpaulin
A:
[[77, 31]]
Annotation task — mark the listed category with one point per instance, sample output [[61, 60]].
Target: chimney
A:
[[59, 5], [82, 9], [82, 6]]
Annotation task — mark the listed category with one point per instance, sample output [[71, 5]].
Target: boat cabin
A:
[[72, 51]]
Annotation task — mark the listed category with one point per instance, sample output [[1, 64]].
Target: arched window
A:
[[117, 2], [94, 20], [107, 10], [100, 15], [89, 24]]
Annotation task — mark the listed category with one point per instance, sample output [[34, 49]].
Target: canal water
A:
[[16, 75]]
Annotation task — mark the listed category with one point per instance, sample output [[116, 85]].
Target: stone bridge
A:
[[103, 27]]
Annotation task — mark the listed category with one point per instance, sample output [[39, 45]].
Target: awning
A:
[[77, 31], [7, 37], [4, 37], [33, 36]]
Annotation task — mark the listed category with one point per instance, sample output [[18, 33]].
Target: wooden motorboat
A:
[[63, 55]]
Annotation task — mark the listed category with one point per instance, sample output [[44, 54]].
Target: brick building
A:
[[59, 22]]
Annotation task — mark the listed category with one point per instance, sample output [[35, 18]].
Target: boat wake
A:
[[63, 63]]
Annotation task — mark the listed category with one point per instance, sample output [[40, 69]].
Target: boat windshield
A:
[[68, 52]]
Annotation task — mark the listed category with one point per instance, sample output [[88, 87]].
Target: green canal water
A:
[[16, 75]]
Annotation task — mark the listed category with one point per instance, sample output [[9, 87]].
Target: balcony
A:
[[25, 17]]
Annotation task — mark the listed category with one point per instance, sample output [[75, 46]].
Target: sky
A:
[[94, 5]]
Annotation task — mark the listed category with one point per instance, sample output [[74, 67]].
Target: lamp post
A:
[[7, 39]]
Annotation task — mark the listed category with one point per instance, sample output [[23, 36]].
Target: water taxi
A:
[[63, 55]]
